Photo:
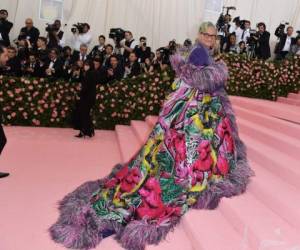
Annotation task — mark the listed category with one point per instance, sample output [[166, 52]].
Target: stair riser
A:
[[278, 142], [289, 101], [294, 96]]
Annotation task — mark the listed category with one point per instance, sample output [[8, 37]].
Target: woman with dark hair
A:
[[82, 120], [230, 46], [192, 158]]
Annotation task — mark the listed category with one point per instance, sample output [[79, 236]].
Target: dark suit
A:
[[280, 45], [118, 73], [5, 27], [33, 35], [14, 65], [135, 69], [77, 56], [58, 67], [82, 119], [263, 50]]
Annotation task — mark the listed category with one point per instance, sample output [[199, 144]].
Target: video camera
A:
[[51, 28], [281, 27], [117, 34], [78, 27], [222, 22]]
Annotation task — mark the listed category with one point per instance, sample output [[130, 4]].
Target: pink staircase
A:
[[48, 163], [292, 99]]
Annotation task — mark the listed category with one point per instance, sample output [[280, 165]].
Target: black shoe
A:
[[2, 175], [80, 135]]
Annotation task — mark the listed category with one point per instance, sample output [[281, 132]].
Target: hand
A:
[[110, 72]]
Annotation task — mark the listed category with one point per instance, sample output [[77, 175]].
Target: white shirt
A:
[[52, 64], [238, 34], [246, 35], [288, 44], [79, 39]]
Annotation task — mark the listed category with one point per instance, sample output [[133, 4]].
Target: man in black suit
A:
[[286, 41], [132, 68], [99, 50], [116, 70], [13, 65], [3, 60], [81, 55], [5, 27], [29, 33], [54, 67], [263, 50]]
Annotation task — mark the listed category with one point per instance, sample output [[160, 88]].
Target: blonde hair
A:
[[205, 25]]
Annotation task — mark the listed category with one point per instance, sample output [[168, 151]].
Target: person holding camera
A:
[[55, 35], [133, 67], [129, 44], [29, 33], [54, 67], [142, 51], [295, 50], [3, 140], [161, 61], [99, 50], [262, 38], [116, 69], [286, 41], [223, 26], [5, 28], [81, 35], [246, 31]]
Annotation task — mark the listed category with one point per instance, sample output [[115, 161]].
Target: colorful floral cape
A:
[[192, 158]]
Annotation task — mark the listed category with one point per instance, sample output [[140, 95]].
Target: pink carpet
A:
[[46, 163]]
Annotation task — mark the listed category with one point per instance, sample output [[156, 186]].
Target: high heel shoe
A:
[[80, 135]]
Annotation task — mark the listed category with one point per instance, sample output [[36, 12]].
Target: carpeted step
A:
[[295, 96], [281, 197], [141, 130], [128, 142], [275, 109], [273, 158], [257, 223], [210, 230], [288, 128], [151, 120], [290, 101], [269, 136]]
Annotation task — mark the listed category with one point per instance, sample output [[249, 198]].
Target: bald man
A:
[[3, 60], [29, 32]]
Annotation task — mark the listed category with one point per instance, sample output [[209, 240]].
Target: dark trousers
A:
[[82, 119], [281, 55]]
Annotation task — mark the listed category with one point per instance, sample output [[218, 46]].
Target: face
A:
[[80, 63], [113, 62], [97, 64], [242, 45], [247, 25], [290, 31], [132, 57], [208, 38], [31, 59], [85, 29], [128, 36], [108, 50], [147, 61], [40, 43], [57, 24], [86, 67], [101, 41], [29, 23], [3, 15], [232, 40], [11, 53], [261, 28], [158, 54], [53, 55], [83, 50], [4, 57]]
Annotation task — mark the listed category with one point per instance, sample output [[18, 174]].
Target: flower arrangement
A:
[[40, 102]]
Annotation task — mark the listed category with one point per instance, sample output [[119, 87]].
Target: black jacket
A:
[[282, 39], [88, 88], [5, 27], [58, 67], [13, 67], [33, 35], [263, 50]]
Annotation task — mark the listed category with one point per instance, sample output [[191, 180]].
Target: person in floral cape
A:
[[192, 158]]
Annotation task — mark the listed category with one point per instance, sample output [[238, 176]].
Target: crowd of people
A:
[[239, 38], [49, 56]]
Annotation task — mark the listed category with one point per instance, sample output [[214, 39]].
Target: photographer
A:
[[55, 35], [237, 29], [99, 50], [132, 68], [246, 27], [129, 45], [286, 41], [81, 35], [13, 65], [116, 70], [5, 28], [223, 26], [161, 61], [29, 33], [54, 67], [262, 38], [142, 51], [295, 50]]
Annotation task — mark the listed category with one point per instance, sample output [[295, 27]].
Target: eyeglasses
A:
[[207, 35]]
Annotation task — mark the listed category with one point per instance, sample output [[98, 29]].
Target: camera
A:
[[117, 34], [281, 27], [51, 28], [222, 23], [78, 27]]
